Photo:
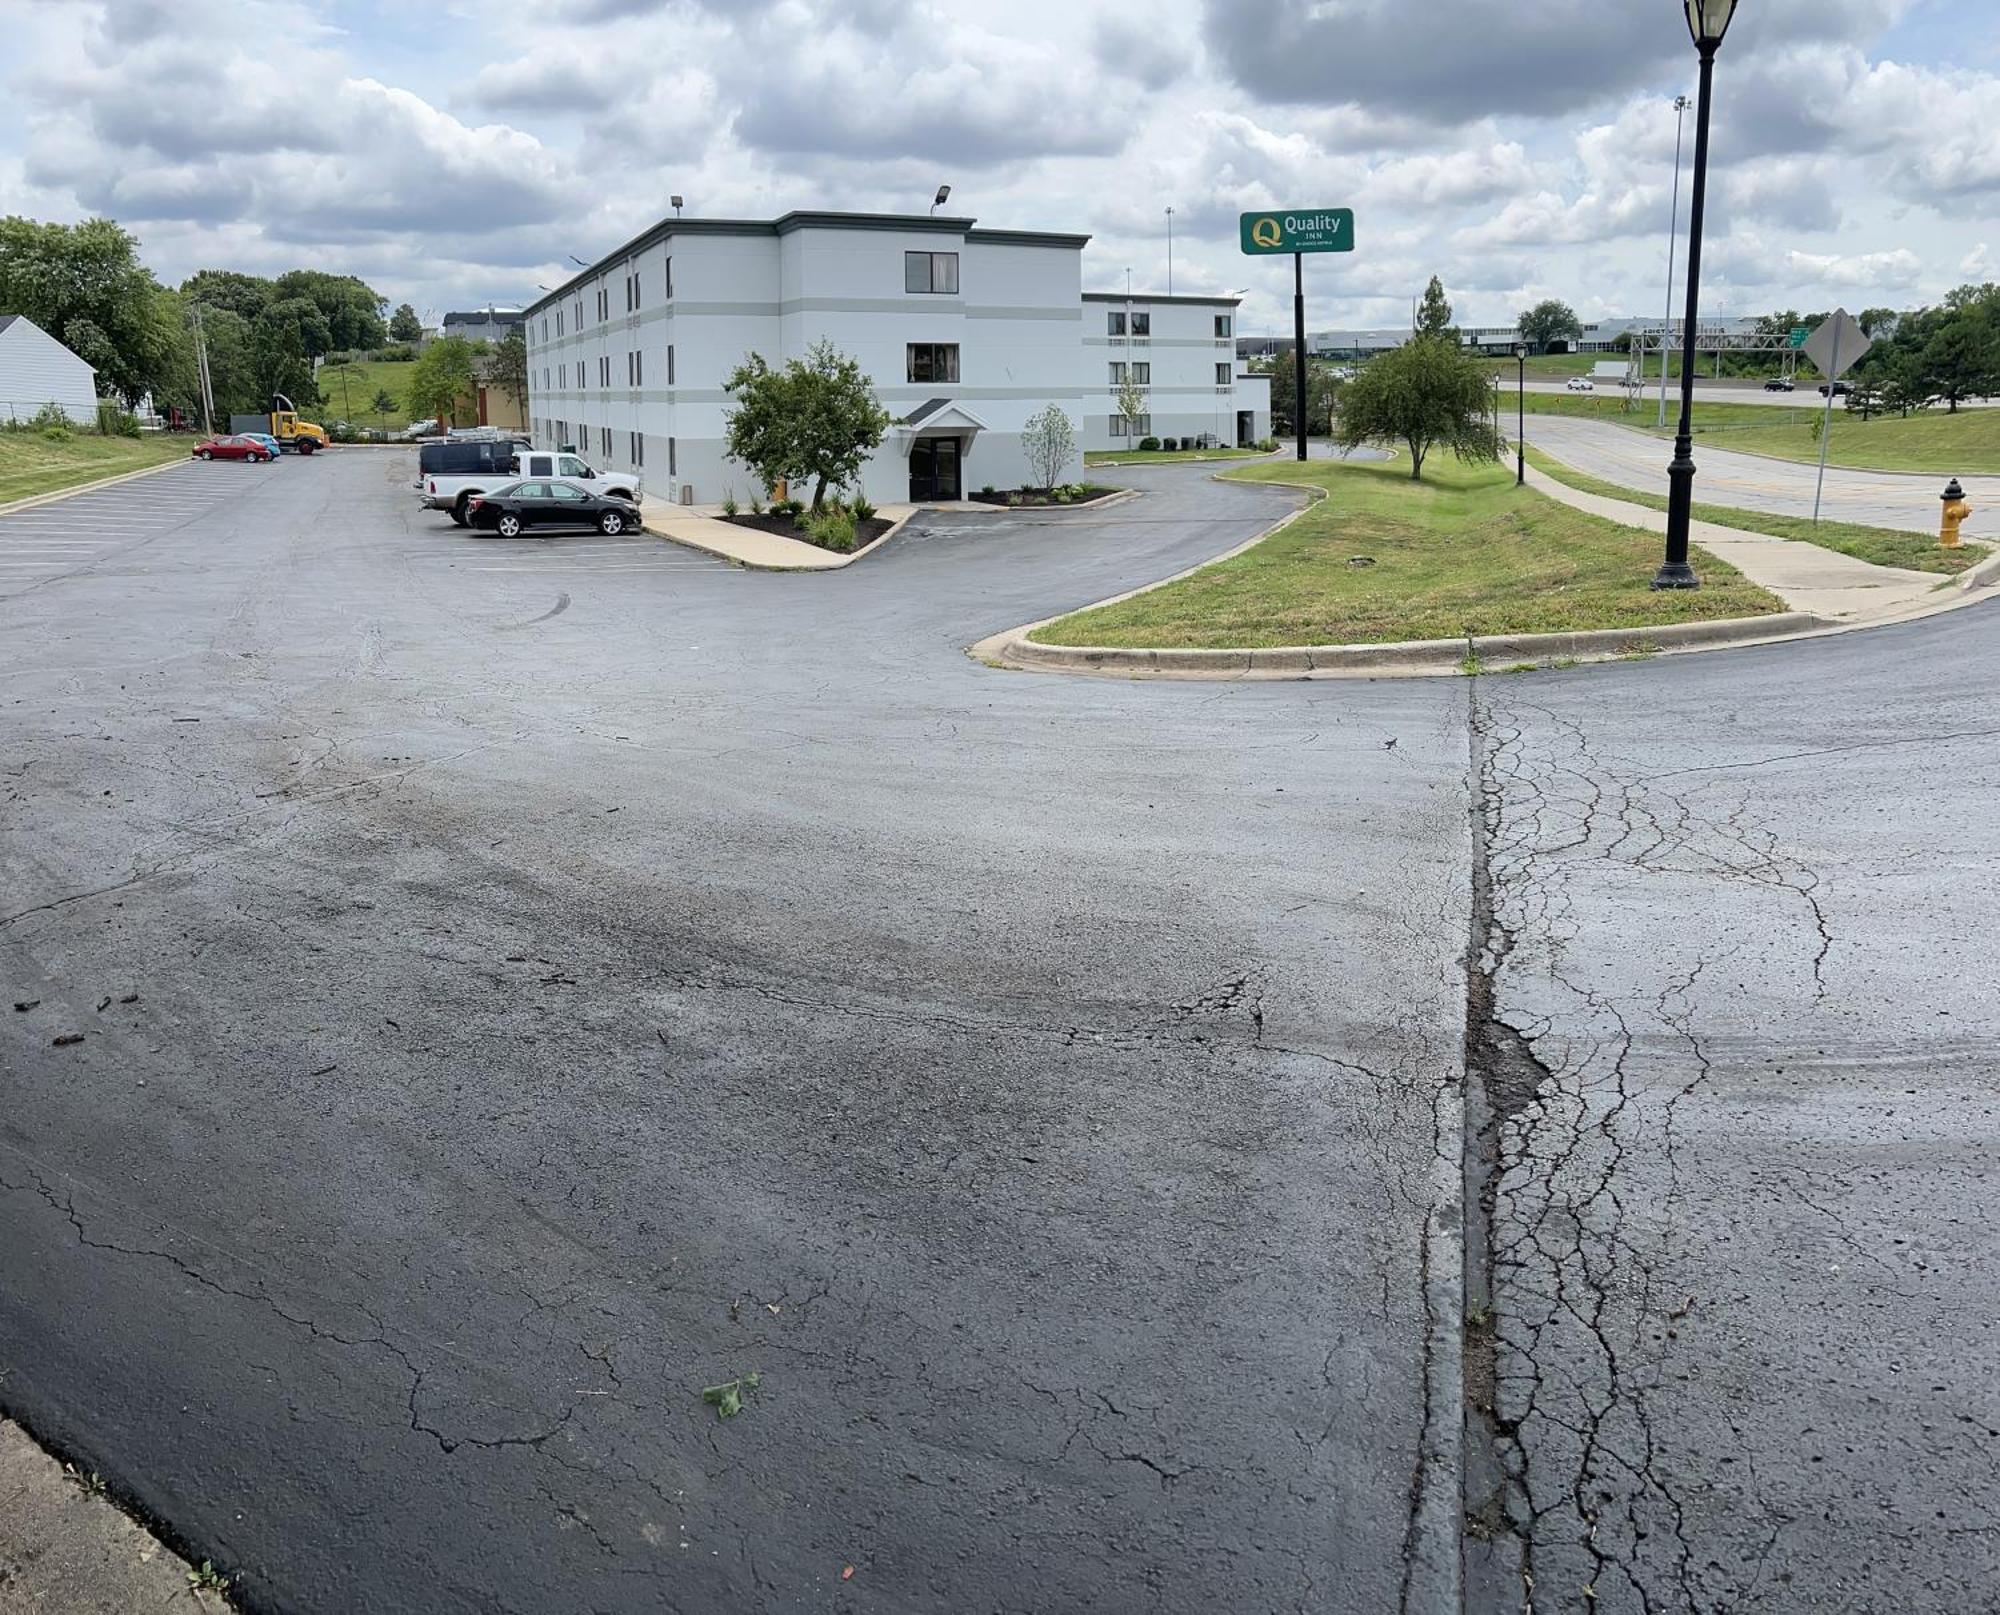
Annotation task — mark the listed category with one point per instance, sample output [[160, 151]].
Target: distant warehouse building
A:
[[483, 325], [36, 370], [964, 332]]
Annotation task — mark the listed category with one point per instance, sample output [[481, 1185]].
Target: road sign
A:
[[1327, 229], [1837, 344], [1796, 338]]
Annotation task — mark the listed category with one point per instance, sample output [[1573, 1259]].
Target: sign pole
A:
[[1826, 423], [1299, 348]]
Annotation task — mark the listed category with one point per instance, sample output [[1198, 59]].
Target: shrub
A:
[[1059, 496], [862, 510], [729, 504], [790, 509], [832, 529], [1267, 445], [756, 505], [112, 421], [51, 423], [1148, 444], [986, 492]]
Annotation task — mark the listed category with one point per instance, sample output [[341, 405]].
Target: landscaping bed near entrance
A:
[[837, 528], [1074, 493], [1383, 558]]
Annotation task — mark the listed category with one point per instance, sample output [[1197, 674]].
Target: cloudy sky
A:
[[454, 153]]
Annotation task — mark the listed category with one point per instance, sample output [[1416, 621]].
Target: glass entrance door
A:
[[934, 473]]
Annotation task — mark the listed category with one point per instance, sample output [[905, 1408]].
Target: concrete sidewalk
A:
[[64, 1546], [1805, 576], [702, 527]]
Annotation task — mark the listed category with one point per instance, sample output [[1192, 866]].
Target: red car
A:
[[232, 448]]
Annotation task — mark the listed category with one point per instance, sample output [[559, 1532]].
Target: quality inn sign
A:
[[1298, 230]]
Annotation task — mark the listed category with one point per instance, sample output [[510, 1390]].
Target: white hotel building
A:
[[965, 333]]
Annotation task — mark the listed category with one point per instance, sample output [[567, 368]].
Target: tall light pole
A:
[[1708, 21], [1170, 252], [1521, 414], [1673, 224]]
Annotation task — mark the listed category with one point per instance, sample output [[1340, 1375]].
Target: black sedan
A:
[[549, 506]]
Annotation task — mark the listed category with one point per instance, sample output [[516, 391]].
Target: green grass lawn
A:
[[1934, 441], [1165, 456], [1884, 546], [30, 464], [1462, 552], [349, 391]]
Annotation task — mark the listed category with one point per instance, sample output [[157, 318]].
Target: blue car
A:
[[265, 439]]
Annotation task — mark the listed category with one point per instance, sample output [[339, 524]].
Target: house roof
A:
[[7, 320], [929, 407]]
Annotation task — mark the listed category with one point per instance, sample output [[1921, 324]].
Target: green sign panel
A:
[[1326, 229], [1797, 337]]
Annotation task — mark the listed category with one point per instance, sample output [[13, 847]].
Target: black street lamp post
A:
[[1520, 413], [1707, 21]]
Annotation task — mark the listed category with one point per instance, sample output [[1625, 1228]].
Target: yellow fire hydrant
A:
[[1955, 511]]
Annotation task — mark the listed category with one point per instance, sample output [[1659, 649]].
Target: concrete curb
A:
[[1981, 575], [91, 487], [834, 563]]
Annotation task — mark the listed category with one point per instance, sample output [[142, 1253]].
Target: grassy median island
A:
[[1881, 546], [1462, 552], [31, 464]]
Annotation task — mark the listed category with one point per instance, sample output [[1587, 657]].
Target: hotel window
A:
[[1222, 322], [933, 361], [930, 272], [670, 364], [604, 438], [638, 291], [1221, 373], [559, 329], [1142, 324], [1117, 425], [673, 460], [562, 375], [1142, 426], [545, 327], [1143, 374], [1117, 372], [579, 316], [1114, 322], [670, 275], [638, 449]]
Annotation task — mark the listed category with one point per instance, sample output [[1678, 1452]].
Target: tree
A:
[[1961, 358], [441, 381], [59, 274], [1434, 313], [1548, 322], [507, 365], [1322, 394], [1130, 403], [818, 417], [246, 295], [384, 402], [1049, 442], [1428, 391], [351, 308], [404, 326]]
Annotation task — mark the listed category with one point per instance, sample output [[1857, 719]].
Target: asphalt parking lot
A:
[[482, 995]]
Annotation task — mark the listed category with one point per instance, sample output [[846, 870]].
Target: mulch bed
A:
[[865, 533], [1028, 498]]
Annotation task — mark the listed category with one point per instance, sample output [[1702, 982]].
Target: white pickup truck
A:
[[450, 473]]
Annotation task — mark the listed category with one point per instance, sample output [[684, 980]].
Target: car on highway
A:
[[232, 446], [1838, 389], [1780, 384], [549, 505], [1580, 384]]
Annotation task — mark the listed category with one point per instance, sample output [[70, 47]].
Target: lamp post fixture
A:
[[1681, 104], [1708, 21], [1520, 414]]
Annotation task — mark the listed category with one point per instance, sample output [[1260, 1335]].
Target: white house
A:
[[964, 332], [37, 370]]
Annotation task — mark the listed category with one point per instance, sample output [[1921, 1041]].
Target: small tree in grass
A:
[[1428, 391], [441, 381], [1049, 442], [1130, 401], [818, 417], [385, 402]]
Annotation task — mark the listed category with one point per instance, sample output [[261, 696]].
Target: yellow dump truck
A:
[[283, 423]]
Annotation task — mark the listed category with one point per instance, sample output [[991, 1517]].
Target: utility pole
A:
[[1170, 252], [201, 372]]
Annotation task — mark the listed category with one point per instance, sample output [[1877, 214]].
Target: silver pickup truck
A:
[[450, 473]]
